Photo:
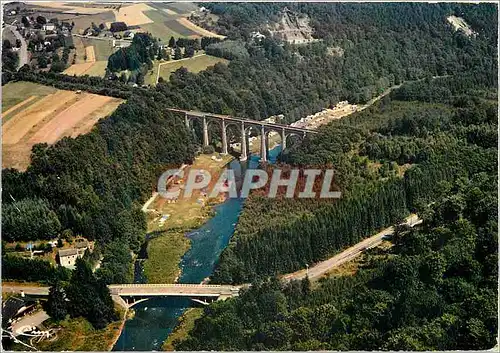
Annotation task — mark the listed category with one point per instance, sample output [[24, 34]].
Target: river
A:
[[155, 318]]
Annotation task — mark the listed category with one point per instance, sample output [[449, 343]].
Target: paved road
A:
[[188, 290], [33, 290], [318, 270], [29, 321], [23, 51]]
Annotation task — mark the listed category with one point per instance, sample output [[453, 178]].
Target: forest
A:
[[94, 185], [387, 159], [434, 289]]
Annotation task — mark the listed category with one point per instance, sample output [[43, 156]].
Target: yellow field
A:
[[133, 15], [90, 66], [15, 93], [47, 119]]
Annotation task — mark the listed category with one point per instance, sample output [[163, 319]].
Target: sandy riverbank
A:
[[174, 218]]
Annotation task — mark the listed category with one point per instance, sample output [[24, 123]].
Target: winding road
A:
[[23, 51], [317, 271]]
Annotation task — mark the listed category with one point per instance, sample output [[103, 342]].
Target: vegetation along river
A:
[[155, 318]]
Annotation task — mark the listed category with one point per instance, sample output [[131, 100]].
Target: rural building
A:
[[15, 307], [128, 35], [49, 27], [67, 257]]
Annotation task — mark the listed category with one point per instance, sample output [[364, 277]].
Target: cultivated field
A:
[[16, 93], [83, 22], [133, 15], [159, 28], [199, 32], [169, 20], [83, 8], [46, 117], [91, 57]]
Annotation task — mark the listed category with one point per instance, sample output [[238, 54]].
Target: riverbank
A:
[[181, 331], [168, 222]]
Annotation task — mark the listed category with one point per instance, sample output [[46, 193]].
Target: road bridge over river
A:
[[130, 294]]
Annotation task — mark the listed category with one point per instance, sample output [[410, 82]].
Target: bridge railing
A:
[[171, 285]]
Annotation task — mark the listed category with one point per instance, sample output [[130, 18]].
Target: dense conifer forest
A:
[[434, 289]]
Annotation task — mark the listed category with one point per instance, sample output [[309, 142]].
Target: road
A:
[[201, 290], [23, 51], [33, 290], [177, 289], [29, 321], [321, 268]]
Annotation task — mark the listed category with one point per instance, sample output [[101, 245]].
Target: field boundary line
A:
[[175, 61]]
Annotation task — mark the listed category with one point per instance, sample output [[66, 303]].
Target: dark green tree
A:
[[56, 303]]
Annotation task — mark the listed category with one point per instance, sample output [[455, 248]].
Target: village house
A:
[[67, 257], [49, 27], [16, 307]]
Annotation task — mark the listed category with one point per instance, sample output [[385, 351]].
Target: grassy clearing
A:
[[150, 78], [79, 335], [194, 64], [181, 331], [164, 255], [15, 92], [165, 251]]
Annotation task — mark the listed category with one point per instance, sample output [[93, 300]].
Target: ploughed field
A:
[[33, 113]]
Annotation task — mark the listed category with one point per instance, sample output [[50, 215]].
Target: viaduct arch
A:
[[244, 125]]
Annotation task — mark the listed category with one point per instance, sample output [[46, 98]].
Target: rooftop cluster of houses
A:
[[15, 308]]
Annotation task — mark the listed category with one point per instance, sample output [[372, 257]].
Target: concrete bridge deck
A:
[[185, 290], [149, 290]]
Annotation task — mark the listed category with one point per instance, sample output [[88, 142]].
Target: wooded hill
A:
[[434, 289], [95, 184]]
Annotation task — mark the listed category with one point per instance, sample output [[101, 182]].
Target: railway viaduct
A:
[[244, 125]]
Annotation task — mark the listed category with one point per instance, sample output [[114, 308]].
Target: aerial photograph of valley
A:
[[249, 176]]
